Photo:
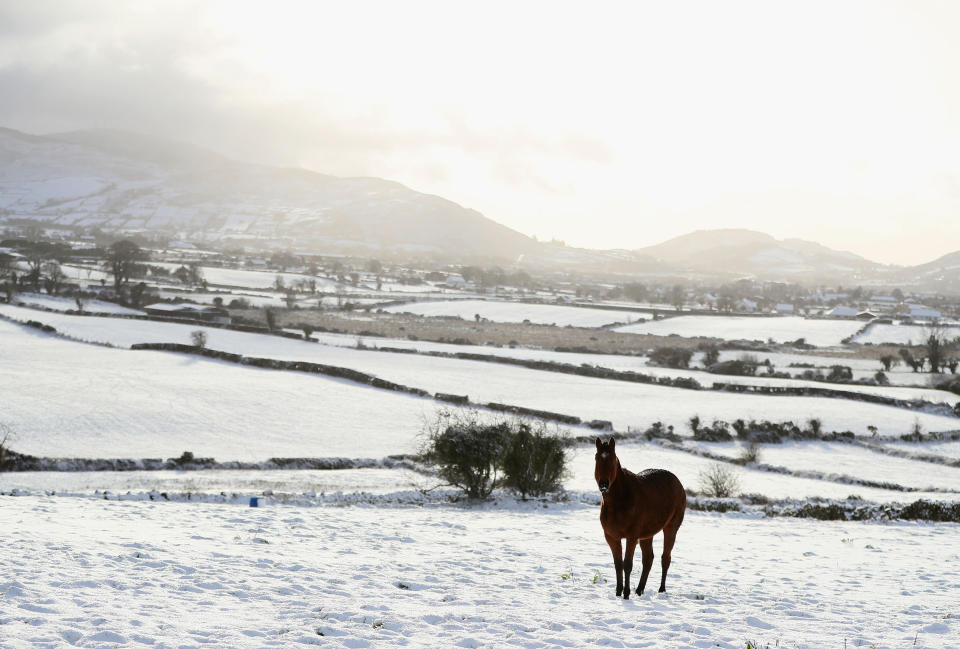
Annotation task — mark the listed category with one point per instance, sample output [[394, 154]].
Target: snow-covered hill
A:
[[124, 181], [757, 253]]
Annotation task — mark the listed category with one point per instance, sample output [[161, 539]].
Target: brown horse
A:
[[637, 506]]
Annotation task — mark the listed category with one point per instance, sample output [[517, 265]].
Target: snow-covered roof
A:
[[842, 312], [917, 311]]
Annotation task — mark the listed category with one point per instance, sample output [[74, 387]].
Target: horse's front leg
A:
[[628, 566], [616, 550]]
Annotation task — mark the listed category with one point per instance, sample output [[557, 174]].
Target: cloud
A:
[[167, 73]]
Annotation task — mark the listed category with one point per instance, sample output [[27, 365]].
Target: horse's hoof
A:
[[626, 594], [639, 592], [663, 589]]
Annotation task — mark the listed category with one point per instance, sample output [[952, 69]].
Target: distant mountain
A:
[[128, 183], [941, 275], [120, 181], [759, 255]]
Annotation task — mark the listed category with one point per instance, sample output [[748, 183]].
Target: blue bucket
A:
[[254, 501]]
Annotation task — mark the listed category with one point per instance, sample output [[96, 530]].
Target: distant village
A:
[[162, 277]]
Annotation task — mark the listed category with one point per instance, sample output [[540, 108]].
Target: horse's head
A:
[[607, 466]]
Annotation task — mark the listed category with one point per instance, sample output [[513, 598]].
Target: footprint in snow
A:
[[758, 623]]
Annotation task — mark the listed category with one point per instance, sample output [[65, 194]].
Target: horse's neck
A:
[[621, 484]]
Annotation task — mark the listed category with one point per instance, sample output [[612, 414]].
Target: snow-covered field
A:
[[902, 334], [688, 467], [627, 405], [94, 573], [215, 481], [256, 279], [72, 399], [781, 329], [307, 568], [863, 368], [947, 449], [853, 461], [70, 304], [495, 311]]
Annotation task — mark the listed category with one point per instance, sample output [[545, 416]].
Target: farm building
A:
[[918, 312], [842, 312]]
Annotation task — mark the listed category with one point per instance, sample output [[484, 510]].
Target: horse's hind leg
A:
[[616, 550], [646, 555], [669, 536]]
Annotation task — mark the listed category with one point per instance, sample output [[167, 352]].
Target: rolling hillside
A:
[[122, 181]]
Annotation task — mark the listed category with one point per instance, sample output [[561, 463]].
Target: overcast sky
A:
[[605, 125]]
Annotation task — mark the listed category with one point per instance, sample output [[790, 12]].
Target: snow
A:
[[862, 367], [902, 334], [495, 311], [95, 573], [853, 461], [688, 467], [78, 400], [627, 405], [781, 329], [256, 279], [214, 481], [950, 449], [85, 273], [68, 304]]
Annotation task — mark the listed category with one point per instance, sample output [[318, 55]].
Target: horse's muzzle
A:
[[604, 486]]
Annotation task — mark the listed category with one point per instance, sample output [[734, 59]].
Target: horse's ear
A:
[[612, 443], [599, 443]]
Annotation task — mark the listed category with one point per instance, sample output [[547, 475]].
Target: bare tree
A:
[[889, 361], [122, 259], [53, 277], [719, 481], [937, 344], [6, 434]]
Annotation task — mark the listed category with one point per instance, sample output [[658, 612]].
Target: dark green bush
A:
[[677, 357], [467, 451], [830, 512], [479, 456], [535, 460], [734, 368], [840, 373], [925, 510], [718, 431]]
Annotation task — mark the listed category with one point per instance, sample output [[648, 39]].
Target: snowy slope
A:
[[78, 400], [627, 405], [115, 180], [902, 334], [128, 332]]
